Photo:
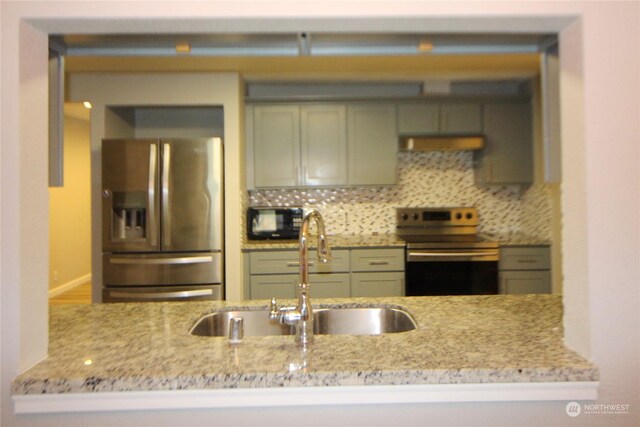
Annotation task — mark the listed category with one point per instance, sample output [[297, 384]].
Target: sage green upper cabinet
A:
[[324, 144], [439, 118], [276, 143], [460, 118], [418, 118], [299, 145], [507, 158], [372, 144]]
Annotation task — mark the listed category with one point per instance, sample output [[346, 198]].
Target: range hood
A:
[[441, 143]]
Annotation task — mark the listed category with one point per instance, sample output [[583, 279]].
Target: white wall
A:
[[601, 194]]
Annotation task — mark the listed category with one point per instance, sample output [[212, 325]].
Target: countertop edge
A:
[[314, 396]]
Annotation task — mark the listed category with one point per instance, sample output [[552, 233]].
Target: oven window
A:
[[451, 278]]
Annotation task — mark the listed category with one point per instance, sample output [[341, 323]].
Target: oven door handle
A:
[[462, 255]]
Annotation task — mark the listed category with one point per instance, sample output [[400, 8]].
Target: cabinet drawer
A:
[[377, 259], [525, 258], [284, 262]]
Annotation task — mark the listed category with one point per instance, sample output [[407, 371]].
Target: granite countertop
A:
[[146, 346], [342, 241], [517, 239], [348, 241]]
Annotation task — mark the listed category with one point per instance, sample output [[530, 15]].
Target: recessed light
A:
[[425, 46], [183, 48], [87, 105]]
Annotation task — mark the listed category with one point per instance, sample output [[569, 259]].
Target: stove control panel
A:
[[436, 217]]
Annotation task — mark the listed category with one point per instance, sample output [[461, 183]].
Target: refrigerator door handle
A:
[[159, 261], [155, 295], [151, 194], [166, 213]]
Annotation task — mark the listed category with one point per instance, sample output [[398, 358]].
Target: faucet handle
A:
[[274, 310]]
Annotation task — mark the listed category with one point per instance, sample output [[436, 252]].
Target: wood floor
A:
[[78, 295]]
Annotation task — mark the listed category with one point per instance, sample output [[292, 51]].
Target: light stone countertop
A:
[[342, 241], [146, 346], [384, 241]]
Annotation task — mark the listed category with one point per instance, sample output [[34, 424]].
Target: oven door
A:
[[451, 272]]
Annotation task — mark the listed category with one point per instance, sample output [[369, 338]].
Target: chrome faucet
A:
[[301, 316]]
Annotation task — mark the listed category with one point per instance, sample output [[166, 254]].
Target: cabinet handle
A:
[[527, 261], [378, 262], [297, 263]]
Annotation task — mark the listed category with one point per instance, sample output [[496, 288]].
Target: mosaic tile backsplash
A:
[[426, 179]]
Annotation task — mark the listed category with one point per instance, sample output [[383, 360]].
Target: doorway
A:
[[70, 214]]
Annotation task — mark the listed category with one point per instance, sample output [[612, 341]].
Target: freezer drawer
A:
[[162, 293], [162, 269]]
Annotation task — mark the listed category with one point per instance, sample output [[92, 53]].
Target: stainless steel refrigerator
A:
[[162, 215]]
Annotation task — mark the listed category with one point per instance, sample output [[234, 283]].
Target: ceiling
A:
[[303, 56]]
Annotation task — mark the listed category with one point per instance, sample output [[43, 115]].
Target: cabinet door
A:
[[276, 139], [378, 284], [507, 157], [525, 282], [330, 285], [273, 286], [460, 119], [416, 118], [324, 144], [284, 286], [373, 144]]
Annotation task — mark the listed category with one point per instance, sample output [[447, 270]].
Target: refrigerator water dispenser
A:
[[128, 216]]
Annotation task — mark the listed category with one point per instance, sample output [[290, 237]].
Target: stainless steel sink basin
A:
[[326, 321], [361, 321], [256, 323]]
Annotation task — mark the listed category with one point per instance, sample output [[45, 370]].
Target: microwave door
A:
[[192, 194], [130, 196]]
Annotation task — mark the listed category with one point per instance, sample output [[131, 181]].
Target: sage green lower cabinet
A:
[[363, 272], [266, 286], [334, 285], [273, 286], [275, 274], [377, 284], [525, 282], [525, 269], [377, 272]]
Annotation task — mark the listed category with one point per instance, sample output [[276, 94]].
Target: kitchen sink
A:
[[326, 321], [256, 323], [361, 321]]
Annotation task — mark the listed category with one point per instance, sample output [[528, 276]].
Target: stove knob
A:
[[404, 216], [458, 215], [469, 215], [414, 216]]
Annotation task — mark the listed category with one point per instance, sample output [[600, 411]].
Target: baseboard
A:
[[69, 285]]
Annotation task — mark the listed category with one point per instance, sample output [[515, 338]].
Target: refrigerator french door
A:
[[162, 214]]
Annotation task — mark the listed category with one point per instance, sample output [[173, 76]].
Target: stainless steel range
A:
[[445, 255]]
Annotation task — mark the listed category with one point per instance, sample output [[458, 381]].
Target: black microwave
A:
[[265, 223]]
